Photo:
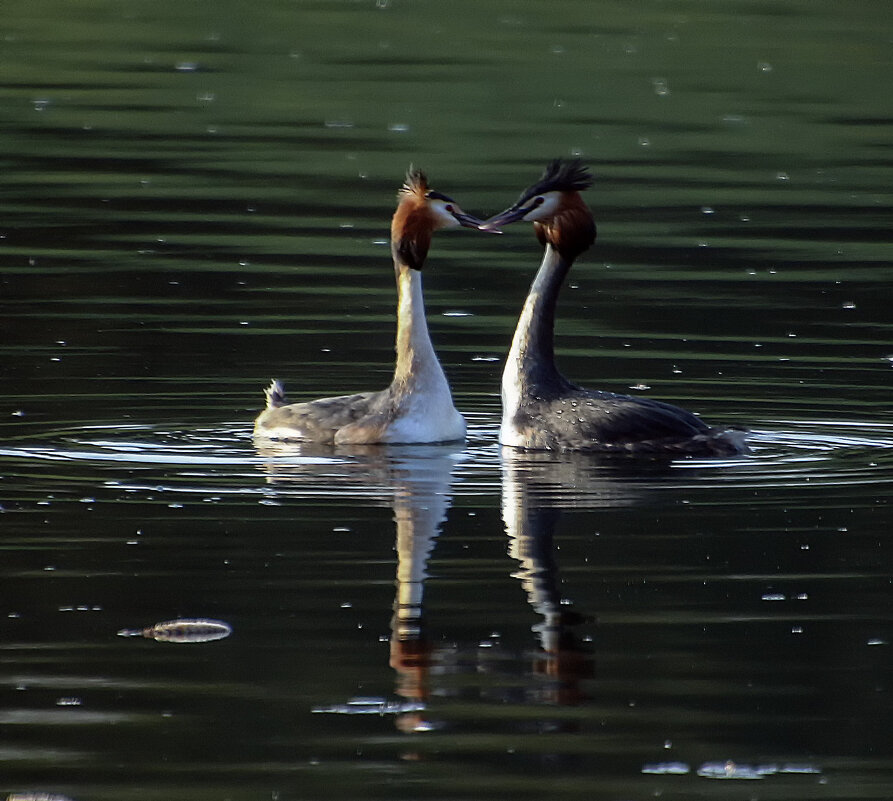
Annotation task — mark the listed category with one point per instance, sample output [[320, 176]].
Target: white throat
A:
[[512, 374], [426, 403]]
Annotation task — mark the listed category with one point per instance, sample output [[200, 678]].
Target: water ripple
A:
[[223, 460]]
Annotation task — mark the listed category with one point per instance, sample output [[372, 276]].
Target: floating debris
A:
[[371, 706], [183, 630], [666, 768], [36, 797], [733, 770], [730, 770]]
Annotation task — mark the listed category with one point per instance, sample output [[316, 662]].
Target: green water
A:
[[196, 197]]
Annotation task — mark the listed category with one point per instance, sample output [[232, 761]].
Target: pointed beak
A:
[[468, 221], [510, 215]]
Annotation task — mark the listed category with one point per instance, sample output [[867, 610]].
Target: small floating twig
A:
[[182, 630]]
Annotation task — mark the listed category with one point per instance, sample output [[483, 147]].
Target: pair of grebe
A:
[[541, 409]]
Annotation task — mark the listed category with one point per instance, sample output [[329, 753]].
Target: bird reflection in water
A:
[[418, 479], [535, 486], [421, 502]]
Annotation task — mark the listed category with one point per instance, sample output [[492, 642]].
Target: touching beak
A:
[[467, 221], [510, 215]]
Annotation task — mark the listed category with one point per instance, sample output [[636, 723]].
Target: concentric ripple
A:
[[785, 453]]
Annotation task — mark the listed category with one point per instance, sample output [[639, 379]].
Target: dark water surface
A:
[[196, 197]]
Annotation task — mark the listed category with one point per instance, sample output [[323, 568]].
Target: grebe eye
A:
[[448, 207], [539, 201]]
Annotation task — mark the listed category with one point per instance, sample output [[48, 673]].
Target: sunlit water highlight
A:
[[791, 453]]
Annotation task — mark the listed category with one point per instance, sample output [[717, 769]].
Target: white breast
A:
[[427, 418]]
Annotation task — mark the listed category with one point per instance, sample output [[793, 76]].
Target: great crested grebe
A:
[[417, 407], [541, 409]]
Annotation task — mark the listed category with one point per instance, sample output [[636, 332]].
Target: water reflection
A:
[[421, 501], [562, 657], [418, 481]]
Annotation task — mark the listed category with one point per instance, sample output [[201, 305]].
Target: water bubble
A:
[[661, 86], [69, 701], [764, 66]]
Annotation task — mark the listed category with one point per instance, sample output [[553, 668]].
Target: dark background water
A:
[[197, 197]]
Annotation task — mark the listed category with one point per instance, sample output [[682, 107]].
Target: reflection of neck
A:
[[420, 506], [416, 360], [531, 361], [418, 519], [530, 532]]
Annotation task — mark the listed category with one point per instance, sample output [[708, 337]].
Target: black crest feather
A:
[[560, 175]]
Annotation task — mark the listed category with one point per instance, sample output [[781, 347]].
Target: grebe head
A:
[[420, 212], [544, 200], [554, 205], [443, 211]]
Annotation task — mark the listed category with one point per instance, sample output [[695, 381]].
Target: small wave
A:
[[785, 453]]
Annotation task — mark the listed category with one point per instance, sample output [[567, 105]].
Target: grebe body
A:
[[417, 407], [543, 410]]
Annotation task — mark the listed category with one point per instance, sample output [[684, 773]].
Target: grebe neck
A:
[[530, 366], [417, 365]]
